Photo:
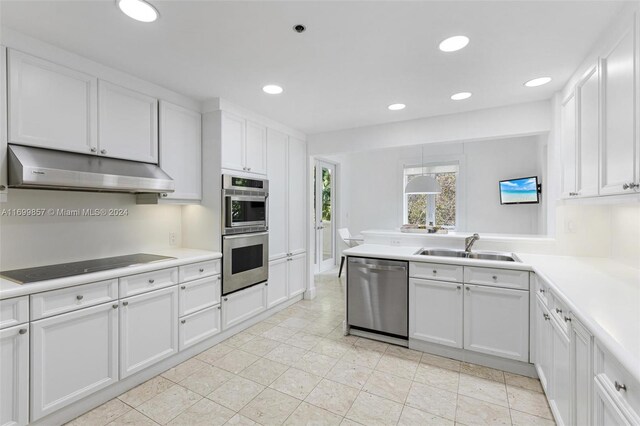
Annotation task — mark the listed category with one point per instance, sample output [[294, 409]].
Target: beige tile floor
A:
[[297, 368]]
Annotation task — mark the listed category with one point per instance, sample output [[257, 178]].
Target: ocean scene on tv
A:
[[519, 191]]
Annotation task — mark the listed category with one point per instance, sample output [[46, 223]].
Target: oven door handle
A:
[[233, 237], [247, 197]]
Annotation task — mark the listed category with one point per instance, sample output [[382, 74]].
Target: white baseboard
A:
[[310, 294]]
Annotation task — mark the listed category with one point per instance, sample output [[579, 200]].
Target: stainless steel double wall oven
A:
[[245, 236]]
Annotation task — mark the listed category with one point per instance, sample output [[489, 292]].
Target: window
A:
[[437, 209]]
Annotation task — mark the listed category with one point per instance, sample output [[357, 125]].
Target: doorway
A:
[[324, 215]]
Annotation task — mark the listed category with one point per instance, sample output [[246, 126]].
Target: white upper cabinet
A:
[[256, 148], [51, 106], [568, 146], [277, 149], [297, 216], [244, 145], [588, 95], [4, 177], [619, 166], [14, 375], [181, 150], [128, 124], [233, 137]]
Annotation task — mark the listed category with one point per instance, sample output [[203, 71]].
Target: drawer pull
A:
[[459, 287], [183, 287], [151, 281], [567, 319], [24, 331], [266, 284], [79, 297], [125, 303], [183, 321], [115, 306], [495, 277], [435, 272], [225, 299], [542, 290], [467, 288], [620, 387], [559, 311], [546, 317], [201, 270]]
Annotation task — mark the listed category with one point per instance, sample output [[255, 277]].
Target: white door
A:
[[435, 312], [128, 124], [14, 375], [278, 290], [297, 274], [242, 305], [277, 151], [233, 142], [588, 145], [568, 146], [256, 148], [581, 373], [618, 165], [561, 396], [496, 321], [51, 106], [181, 150], [148, 329], [324, 215], [4, 182], [297, 203], [72, 356], [544, 345]]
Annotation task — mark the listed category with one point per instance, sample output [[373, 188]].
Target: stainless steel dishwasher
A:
[[378, 296]]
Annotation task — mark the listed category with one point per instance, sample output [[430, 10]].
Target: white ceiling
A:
[[354, 59]]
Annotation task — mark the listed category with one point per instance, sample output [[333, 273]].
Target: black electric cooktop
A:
[[62, 270]]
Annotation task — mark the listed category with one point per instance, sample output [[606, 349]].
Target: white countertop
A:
[[182, 256], [602, 293]]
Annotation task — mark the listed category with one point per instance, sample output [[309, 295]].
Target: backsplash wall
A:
[[35, 241]]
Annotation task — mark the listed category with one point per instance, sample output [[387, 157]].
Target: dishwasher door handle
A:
[[379, 267]]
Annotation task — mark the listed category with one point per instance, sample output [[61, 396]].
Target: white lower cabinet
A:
[[148, 329], [435, 312], [199, 326], [560, 401], [244, 304], [607, 412], [199, 294], [581, 373], [496, 321], [73, 355], [14, 375], [543, 345], [278, 290], [297, 270]]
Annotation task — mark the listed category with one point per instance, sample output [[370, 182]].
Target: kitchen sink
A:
[[480, 255]]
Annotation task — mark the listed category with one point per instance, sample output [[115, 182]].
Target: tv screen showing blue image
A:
[[519, 191]]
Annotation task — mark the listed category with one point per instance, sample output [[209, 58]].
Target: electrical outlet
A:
[[395, 242], [172, 239]]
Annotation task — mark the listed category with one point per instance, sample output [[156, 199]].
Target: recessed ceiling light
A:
[[272, 89], [537, 81], [461, 96], [454, 43], [139, 10], [396, 107]]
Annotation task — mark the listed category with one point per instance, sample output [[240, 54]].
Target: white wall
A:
[[36, 241], [370, 184]]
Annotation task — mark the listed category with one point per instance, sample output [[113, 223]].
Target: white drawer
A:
[[610, 373], [142, 283], [436, 271], [72, 298], [541, 288], [14, 311], [199, 294], [197, 327], [560, 312], [507, 278], [199, 270]]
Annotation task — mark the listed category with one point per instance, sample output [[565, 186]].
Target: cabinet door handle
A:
[[94, 149], [24, 331], [435, 272], [125, 303], [559, 311], [266, 284], [201, 270], [183, 321], [546, 317], [103, 151], [219, 308], [151, 281], [79, 297], [542, 290], [183, 287], [567, 319], [459, 287], [225, 299], [620, 386], [631, 185], [115, 306], [467, 288], [495, 277]]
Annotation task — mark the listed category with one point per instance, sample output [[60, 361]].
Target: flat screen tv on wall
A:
[[520, 191]]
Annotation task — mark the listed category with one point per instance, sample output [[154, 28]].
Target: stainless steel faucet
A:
[[469, 241]]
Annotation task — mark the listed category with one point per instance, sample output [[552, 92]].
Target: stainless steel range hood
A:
[[31, 167]]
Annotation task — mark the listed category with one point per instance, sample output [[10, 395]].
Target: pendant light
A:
[[423, 184]]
